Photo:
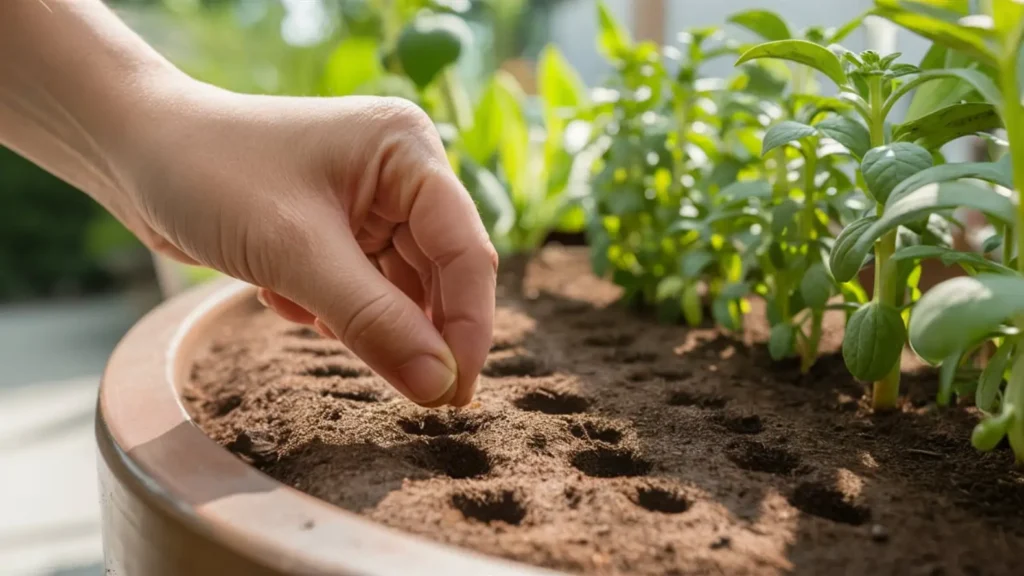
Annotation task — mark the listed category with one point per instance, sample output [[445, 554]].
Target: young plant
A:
[[957, 315], [891, 174], [672, 143], [806, 150]]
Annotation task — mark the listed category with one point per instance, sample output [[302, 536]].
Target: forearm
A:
[[74, 82]]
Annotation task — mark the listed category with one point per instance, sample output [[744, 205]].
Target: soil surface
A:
[[604, 443]]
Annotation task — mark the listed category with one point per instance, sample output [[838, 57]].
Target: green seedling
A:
[[659, 220], [872, 85], [959, 315]]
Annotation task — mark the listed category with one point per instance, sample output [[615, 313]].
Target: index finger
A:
[[447, 228]]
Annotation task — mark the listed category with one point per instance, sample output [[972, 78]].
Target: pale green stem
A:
[[885, 392]]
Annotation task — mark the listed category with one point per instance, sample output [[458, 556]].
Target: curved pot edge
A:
[[150, 448]]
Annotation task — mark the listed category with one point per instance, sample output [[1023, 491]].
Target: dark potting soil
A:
[[603, 443]]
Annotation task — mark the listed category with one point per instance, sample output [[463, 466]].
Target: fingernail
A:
[[426, 378]]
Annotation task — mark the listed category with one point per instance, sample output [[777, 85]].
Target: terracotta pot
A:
[[174, 502]]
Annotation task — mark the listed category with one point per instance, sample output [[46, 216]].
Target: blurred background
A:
[[72, 280]]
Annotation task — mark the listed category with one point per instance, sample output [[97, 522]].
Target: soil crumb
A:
[[604, 443]]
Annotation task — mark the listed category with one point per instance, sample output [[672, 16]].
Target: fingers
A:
[[373, 316], [402, 275], [284, 307], [465, 265]]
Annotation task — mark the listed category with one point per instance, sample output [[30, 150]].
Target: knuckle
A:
[[367, 319]]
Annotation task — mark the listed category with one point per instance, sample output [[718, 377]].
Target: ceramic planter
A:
[[175, 503]]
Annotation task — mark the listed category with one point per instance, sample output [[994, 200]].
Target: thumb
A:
[[369, 314]]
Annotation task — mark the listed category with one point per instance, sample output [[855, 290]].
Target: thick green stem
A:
[[813, 340], [885, 392]]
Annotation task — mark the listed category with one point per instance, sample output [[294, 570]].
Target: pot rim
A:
[[170, 463]]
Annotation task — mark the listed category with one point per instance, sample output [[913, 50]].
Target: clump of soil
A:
[[602, 443]]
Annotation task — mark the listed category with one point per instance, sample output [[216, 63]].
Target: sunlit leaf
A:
[[801, 52]]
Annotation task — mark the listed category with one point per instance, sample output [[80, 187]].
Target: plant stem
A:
[[809, 352], [885, 392], [456, 100], [1013, 119]]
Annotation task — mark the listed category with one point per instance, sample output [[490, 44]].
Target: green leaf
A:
[[669, 287], [353, 63], [990, 431], [613, 40], [934, 130], [431, 43], [693, 309], [960, 312], [992, 243], [780, 343], [739, 192], [946, 87], [726, 313], [994, 172], [949, 257], [801, 52], [559, 85], [913, 206], [874, 341], [885, 167], [764, 23], [491, 198], [946, 33], [783, 133], [844, 244], [846, 29], [498, 111], [848, 132], [693, 264], [991, 378], [783, 215], [816, 286]]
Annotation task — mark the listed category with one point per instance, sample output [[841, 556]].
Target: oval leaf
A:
[[994, 172], [780, 343], [954, 84], [801, 52], [885, 167], [912, 207], [816, 286], [693, 264], [764, 23], [431, 43], [492, 200], [874, 341], [943, 32], [739, 192], [949, 256], [959, 312], [693, 308], [783, 215], [934, 130], [845, 242], [848, 132], [783, 133]]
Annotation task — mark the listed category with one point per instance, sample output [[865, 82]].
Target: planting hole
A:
[[551, 402], [316, 352], [742, 423], [631, 357], [595, 431], [227, 404], [612, 340], [453, 458], [661, 500], [684, 398], [437, 425], [305, 333], [758, 457], [355, 395], [490, 506], [336, 371], [256, 447], [610, 463], [516, 367], [824, 502], [671, 374]]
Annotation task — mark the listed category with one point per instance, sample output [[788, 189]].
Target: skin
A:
[[344, 211]]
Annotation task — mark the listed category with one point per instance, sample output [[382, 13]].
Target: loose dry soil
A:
[[604, 443]]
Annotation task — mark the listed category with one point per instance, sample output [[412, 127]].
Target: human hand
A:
[[343, 211]]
